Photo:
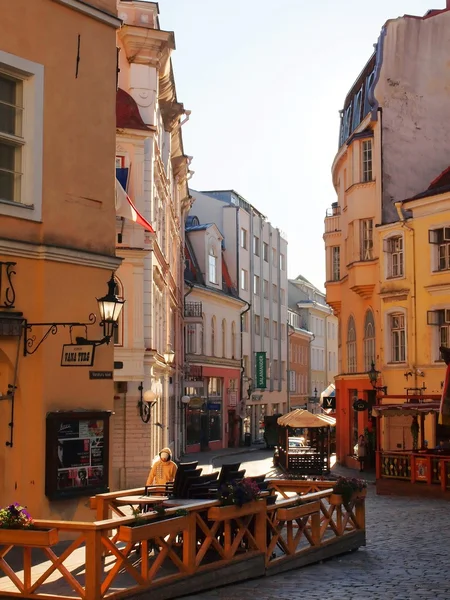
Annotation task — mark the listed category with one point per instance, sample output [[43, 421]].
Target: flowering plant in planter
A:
[[15, 516], [348, 486], [239, 493]]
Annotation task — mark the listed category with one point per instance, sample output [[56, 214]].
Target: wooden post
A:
[[261, 530], [26, 568], [315, 528], [360, 513], [189, 544], [443, 475], [94, 564]]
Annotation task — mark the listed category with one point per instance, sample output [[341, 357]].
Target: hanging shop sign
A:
[[74, 355], [213, 406], [360, 405], [421, 469], [260, 366], [196, 402], [329, 403]]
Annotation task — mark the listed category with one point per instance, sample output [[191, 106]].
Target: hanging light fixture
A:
[[110, 307], [169, 355]]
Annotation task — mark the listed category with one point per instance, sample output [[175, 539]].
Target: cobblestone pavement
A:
[[406, 558]]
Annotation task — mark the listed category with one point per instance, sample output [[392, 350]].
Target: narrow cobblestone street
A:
[[406, 558]]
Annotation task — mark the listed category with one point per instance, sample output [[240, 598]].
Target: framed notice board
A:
[[77, 454]]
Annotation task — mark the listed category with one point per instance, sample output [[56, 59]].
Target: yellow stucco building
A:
[[57, 249]]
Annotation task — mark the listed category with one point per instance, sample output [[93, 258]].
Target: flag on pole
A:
[[125, 208]]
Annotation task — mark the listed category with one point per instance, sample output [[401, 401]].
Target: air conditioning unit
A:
[[447, 315], [446, 234]]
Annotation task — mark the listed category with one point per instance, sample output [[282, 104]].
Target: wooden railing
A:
[[199, 547], [419, 467]]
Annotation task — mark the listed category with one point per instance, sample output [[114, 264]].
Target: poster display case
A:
[[77, 454]]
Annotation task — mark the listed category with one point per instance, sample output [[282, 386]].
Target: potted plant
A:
[[236, 499], [152, 524], [347, 489], [18, 528]]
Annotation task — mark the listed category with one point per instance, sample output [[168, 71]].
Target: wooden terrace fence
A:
[[203, 546]]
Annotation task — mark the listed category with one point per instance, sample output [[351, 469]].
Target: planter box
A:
[[361, 495], [151, 529], [222, 513], [335, 499], [34, 538]]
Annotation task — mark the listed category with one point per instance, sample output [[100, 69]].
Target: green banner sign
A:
[[260, 368]]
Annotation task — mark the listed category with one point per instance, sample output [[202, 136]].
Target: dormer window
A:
[[212, 264]]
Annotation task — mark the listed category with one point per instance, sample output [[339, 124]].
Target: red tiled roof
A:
[[127, 112]]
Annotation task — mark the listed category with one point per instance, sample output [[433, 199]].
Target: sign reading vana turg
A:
[[260, 367], [75, 355]]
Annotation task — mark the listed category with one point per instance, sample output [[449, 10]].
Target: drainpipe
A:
[[241, 382], [398, 206]]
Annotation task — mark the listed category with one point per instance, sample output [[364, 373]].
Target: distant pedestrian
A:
[[362, 452]]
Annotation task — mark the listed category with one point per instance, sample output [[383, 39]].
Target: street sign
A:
[[360, 405], [100, 374], [76, 355], [329, 403], [260, 368]]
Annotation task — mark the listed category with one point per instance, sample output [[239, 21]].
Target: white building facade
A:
[[153, 169], [256, 255]]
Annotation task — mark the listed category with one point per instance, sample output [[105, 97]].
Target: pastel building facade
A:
[[256, 255], [299, 340], [392, 145], [152, 167]]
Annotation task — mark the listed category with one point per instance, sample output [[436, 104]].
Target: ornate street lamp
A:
[[169, 355], [373, 378], [250, 388], [110, 307]]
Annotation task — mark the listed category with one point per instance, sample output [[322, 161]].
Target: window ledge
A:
[[17, 204], [395, 278]]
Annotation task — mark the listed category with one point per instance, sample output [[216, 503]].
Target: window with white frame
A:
[[266, 252], [266, 289], [441, 319], [441, 239], [369, 340], [398, 337], [366, 160], [366, 239], [282, 262], [215, 387], [351, 346], [257, 325], [335, 263], [256, 284], [191, 338], [21, 136], [393, 248], [244, 279], [212, 263], [274, 292], [243, 238], [245, 322], [256, 245]]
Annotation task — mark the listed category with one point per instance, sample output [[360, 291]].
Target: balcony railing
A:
[[334, 211], [333, 219], [193, 309]]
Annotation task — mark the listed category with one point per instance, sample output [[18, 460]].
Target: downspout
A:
[[398, 206], [241, 382]]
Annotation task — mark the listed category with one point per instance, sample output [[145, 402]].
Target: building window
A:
[[367, 239], [256, 283], [336, 263], [394, 249], [191, 346], [267, 368], [282, 296], [245, 322], [215, 387], [283, 370], [245, 365], [233, 340], [282, 262], [275, 330], [11, 140], [266, 328], [367, 160], [369, 340], [212, 262], [256, 245], [275, 369], [266, 252], [283, 332], [441, 238], [274, 293], [274, 257], [441, 319], [213, 336], [266, 289], [243, 238], [244, 279], [257, 325], [351, 346], [224, 338], [398, 337]]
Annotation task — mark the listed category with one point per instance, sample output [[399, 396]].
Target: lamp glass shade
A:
[[110, 306], [149, 396], [169, 356], [373, 374], [185, 399]]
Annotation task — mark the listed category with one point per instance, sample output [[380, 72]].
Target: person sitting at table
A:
[[163, 470]]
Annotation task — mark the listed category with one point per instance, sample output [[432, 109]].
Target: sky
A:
[[265, 81]]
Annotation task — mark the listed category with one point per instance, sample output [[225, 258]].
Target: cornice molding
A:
[[147, 46], [91, 11], [58, 254]]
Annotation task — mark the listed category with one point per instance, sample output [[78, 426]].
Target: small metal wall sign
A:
[[100, 374], [360, 405], [75, 355], [329, 402]]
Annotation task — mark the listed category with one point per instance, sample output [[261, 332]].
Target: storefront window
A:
[[193, 427], [215, 426]]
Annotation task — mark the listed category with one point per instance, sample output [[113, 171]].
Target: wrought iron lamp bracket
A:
[[145, 407], [30, 343]]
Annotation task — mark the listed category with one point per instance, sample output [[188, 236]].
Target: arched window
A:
[[233, 339], [369, 340], [351, 346], [213, 336], [224, 338]]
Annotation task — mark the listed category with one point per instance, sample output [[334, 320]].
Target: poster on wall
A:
[[77, 454], [421, 469]]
